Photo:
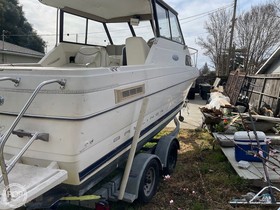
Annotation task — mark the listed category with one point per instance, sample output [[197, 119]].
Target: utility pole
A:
[[3, 39], [3, 47], [230, 53]]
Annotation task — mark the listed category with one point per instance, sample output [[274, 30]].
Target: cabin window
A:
[[119, 32], [168, 24], [144, 30], [164, 28], [81, 30], [96, 34], [175, 28], [74, 28], [188, 60]]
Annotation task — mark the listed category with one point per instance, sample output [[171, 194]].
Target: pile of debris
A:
[[241, 132], [221, 116]]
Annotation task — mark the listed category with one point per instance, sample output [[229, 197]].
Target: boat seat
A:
[[136, 50], [89, 56], [115, 54]]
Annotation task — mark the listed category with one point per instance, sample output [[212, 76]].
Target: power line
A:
[[194, 17], [209, 12], [198, 16]]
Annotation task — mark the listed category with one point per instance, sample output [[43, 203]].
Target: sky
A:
[[192, 15]]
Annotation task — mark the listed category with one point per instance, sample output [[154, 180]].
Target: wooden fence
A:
[[257, 90], [234, 85]]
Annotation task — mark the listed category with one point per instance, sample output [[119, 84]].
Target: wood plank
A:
[[273, 175], [251, 173], [268, 76], [262, 117], [234, 85], [256, 170], [224, 140], [261, 92], [264, 94]]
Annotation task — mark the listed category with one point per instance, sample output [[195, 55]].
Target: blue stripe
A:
[[84, 173]]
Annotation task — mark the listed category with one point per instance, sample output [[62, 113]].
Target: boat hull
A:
[[89, 127]]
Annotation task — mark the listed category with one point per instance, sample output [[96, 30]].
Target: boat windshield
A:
[[101, 29], [81, 30], [168, 24]]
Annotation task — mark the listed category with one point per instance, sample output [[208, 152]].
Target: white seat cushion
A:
[[136, 50], [89, 56]]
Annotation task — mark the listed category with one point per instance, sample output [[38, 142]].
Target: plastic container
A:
[[246, 146], [204, 90]]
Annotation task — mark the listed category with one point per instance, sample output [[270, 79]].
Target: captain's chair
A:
[[136, 50]]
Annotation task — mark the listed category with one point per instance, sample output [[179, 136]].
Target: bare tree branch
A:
[[257, 33], [216, 43]]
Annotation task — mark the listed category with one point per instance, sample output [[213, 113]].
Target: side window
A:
[[119, 32], [96, 34], [144, 30], [175, 28], [168, 24], [164, 28], [74, 28], [81, 30], [188, 60]]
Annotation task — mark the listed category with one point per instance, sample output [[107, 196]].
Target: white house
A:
[[272, 65], [11, 53]]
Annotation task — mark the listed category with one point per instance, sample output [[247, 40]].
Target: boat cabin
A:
[[119, 34]]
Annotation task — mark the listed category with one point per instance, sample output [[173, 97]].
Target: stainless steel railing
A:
[[3, 139]]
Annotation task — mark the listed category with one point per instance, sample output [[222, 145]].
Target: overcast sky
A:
[[192, 15]]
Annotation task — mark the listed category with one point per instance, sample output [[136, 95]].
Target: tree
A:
[[16, 28], [216, 43], [256, 36], [205, 69], [257, 33], [276, 4]]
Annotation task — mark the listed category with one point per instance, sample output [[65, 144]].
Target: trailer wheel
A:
[[171, 158], [149, 181]]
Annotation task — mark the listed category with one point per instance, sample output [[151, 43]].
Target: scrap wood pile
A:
[[221, 116]]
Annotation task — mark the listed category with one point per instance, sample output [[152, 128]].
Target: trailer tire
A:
[[149, 181], [171, 158]]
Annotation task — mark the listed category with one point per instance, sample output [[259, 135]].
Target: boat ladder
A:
[[7, 166]]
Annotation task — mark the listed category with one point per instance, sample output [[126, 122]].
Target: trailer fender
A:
[[140, 162], [164, 149]]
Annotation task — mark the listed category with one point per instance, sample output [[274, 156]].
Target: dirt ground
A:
[[203, 179]]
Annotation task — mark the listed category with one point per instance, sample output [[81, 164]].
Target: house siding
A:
[[272, 65], [10, 58], [275, 67], [10, 53]]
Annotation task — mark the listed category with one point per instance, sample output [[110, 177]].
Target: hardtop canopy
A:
[[107, 10], [163, 20]]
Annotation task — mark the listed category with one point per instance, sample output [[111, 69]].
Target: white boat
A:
[[82, 100]]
